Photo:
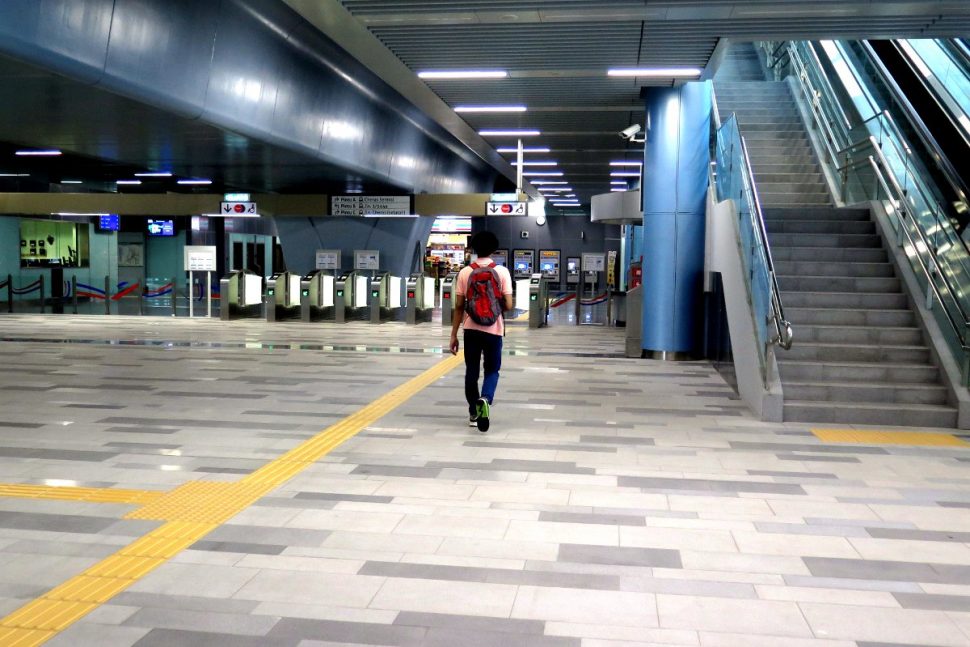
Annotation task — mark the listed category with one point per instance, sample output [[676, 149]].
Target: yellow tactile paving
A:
[[191, 511], [868, 437], [69, 493]]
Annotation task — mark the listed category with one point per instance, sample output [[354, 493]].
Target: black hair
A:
[[484, 243]]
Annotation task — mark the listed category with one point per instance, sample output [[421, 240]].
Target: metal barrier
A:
[[538, 301], [447, 299], [240, 295], [282, 298], [385, 297], [317, 296], [420, 298]]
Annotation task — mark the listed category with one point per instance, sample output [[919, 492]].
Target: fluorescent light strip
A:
[[14, 174], [72, 213], [195, 181], [153, 175], [463, 74], [626, 163], [656, 72], [525, 149], [508, 133], [545, 182], [542, 173], [128, 182], [536, 163], [72, 182], [618, 190], [624, 174], [623, 182], [40, 153], [490, 108]]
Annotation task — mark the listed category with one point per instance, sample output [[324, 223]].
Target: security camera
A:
[[630, 132]]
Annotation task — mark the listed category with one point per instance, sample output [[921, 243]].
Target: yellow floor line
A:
[[875, 437], [191, 511], [68, 493]]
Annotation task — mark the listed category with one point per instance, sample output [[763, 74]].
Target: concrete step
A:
[[811, 176], [840, 269], [837, 254], [872, 317], [817, 352], [879, 413], [774, 122], [791, 200], [863, 335], [838, 284], [831, 213], [899, 393], [776, 135], [800, 189], [868, 373], [785, 165], [822, 240], [793, 226], [853, 300]]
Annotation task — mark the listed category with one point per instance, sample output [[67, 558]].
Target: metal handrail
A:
[[782, 325]]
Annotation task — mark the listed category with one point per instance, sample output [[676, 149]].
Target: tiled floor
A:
[[614, 503]]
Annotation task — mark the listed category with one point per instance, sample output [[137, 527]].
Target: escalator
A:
[[925, 85]]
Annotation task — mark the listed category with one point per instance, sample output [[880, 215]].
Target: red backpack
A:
[[483, 296]]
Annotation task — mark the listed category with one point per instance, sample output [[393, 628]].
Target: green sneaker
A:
[[481, 408]]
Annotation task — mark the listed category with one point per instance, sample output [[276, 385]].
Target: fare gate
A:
[[317, 296], [419, 298], [241, 293], [350, 297], [447, 299], [282, 296], [385, 300]]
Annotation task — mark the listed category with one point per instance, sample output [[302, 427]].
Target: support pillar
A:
[[674, 190]]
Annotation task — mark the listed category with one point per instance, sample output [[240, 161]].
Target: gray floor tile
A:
[[938, 602], [584, 554]]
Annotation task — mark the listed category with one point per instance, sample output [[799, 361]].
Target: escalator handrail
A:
[[813, 96], [953, 177]]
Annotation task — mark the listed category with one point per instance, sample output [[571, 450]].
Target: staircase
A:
[[859, 356]]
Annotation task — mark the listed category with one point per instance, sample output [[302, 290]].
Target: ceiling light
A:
[[513, 149], [508, 133], [538, 182], [570, 195], [542, 173], [624, 174], [490, 108], [43, 153], [623, 182], [14, 174], [153, 175], [75, 213], [662, 72], [195, 181], [71, 182], [536, 163], [463, 74], [128, 182], [626, 163], [618, 190]]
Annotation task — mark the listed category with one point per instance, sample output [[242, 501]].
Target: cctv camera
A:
[[630, 132]]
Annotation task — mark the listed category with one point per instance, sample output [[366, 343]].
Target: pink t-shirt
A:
[[505, 283]]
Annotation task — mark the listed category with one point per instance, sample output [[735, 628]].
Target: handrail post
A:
[[107, 295], [43, 305], [10, 293], [74, 292], [175, 293]]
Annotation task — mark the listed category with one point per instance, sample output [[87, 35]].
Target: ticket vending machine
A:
[[350, 297], [385, 297], [317, 296], [447, 298], [282, 296], [538, 300], [242, 292], [420, 298]]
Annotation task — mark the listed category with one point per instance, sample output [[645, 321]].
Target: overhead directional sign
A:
[[506, 209], [370, 205], [238, 208]]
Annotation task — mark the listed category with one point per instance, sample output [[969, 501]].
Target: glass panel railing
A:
[[734, 181], [946, 72]]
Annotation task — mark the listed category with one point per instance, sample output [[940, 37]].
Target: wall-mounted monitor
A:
[[109, 223], [161, 227]]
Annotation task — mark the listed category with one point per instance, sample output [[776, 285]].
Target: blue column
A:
[[676, 157]]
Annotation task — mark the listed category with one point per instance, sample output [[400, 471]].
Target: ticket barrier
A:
[[447, 299], [419, 298], [538, 301], [282, 296], [241, 295], [350, 297], [317, 296], [521, 295], [385, 300]]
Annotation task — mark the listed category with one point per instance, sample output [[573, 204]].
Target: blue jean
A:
[[478, 346]]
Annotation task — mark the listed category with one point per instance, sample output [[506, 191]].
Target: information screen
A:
[[161, 227], [109, 223]]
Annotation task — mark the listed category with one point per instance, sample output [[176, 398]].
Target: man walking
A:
[[483, 291]]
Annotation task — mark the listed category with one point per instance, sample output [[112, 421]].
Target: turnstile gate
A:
[[447, 299], [317, 296], [282, 296], [538, 301], [241, 295], [420, 298], [385, 299], [350, 297]]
